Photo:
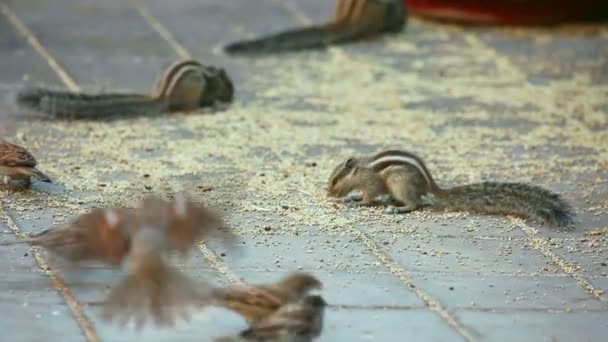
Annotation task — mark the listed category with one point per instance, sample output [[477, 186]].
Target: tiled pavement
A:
[[498, 104]]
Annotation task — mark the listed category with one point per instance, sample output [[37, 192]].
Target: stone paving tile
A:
[[51, 321], [563, 57], [87, 40], [353, 288], [203, 326], [429, 223], [465, 256], [31, 307], [363, 325], [311, 253], [19, 60], [588, 252], [91, 287], [536, 326], [204, 37], [38, 219], [508, 292], [387, 325], [601, 283]]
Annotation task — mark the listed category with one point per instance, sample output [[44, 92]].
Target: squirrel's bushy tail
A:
[[509, 198], [312, 37], [69, 105]]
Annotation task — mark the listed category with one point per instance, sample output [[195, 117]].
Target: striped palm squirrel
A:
[[184, 86], [406, 178]]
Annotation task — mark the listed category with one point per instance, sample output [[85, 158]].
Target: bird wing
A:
[[13, 155]]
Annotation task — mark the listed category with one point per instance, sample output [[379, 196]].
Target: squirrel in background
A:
[[354, 20], [184, 86]]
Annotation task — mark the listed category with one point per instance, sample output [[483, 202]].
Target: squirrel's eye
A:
[[334, 181]]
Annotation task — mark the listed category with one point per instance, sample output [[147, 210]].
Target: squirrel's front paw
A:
[[352, 204], [352, 198], [393, 210]]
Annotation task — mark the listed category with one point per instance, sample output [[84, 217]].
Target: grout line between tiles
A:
[[22, 29], [86, 325], [161, 30], [220, 266], [542, 245], [397, 270], [295, 11]]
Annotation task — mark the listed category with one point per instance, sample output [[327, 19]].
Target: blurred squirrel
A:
[[184, 86], [354, 20]]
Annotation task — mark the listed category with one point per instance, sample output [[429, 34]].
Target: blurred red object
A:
[[516, 12]]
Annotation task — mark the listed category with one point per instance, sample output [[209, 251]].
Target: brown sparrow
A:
[[17, 163], [255, 302], [300, 321], [188, 222], [104, 234], [99, 235], [153, 288]]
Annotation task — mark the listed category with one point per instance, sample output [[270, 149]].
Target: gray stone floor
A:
[[477, 104]]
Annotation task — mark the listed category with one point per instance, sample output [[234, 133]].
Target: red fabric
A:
[[510, 11]]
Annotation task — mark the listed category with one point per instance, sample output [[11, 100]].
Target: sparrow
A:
[[100, 235], [256, 302], [300, 321], [16, 163], [142, 241], [188, 222], [153, 288], [104, 234]]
